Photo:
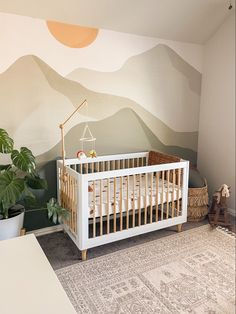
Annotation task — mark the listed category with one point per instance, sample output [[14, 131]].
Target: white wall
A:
[[216, 143]]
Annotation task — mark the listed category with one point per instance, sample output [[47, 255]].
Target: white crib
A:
[[119, 196]]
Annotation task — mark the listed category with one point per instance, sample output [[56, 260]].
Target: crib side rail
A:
[[136, 170], [107, 163], [67, 194], [124, 206]]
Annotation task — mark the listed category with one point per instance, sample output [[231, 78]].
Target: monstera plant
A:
[[18, 178]]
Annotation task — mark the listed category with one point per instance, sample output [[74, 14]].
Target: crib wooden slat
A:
[[151, 185], [173, 194], [157, 194], [134, 185], [74, 204], [167, 194], [121, 203], [94, 210], [101, 225], [123, 164], [108, 205], [92, 167], [145, 200], [139, 200], [127, 203], [68, 198], [141, 162], [162, 194], [115, 204], [71, 202], [179, 174]]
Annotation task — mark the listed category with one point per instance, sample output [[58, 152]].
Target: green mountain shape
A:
[[103, 105], [159, 80], [124, 132]]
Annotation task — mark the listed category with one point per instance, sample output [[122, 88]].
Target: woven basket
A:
[[197, 197], [197, 203], [157, 158]]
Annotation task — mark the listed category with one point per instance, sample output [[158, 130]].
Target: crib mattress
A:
[[133, 198]]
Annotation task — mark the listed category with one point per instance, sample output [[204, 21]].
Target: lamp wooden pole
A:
[[61, 126]]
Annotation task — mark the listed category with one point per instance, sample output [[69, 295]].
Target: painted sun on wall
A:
[[73, 36], [143, 93]]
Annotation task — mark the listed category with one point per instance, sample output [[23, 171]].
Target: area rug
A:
[[188, 272]]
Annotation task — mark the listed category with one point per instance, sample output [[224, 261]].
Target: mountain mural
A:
[[159, 80], [46, 99], [103, 105]]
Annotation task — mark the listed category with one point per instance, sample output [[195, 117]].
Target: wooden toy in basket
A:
[[218, 215]]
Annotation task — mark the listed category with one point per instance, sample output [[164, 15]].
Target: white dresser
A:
[[28, 284]]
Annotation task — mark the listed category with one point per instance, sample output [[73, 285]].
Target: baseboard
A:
[[43, 231], [232, 212]]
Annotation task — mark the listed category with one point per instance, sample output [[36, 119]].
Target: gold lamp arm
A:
[[61, 126]]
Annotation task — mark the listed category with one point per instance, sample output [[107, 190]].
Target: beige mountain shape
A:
[[159, 80], [103, 105], [31, 109]]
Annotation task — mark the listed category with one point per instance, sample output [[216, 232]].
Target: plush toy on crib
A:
[[92, 153], [81, 154]]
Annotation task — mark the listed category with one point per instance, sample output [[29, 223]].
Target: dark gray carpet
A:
[[61, 251]]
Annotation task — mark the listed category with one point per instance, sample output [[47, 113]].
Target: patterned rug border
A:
[[179, 235], [226, 231]]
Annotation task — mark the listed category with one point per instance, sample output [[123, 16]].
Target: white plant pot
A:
[[10, 228]]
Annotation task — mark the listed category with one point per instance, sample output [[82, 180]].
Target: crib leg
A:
[[180, 228], [22, 232], [84, 255]]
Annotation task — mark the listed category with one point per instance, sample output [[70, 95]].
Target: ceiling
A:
[[191, 21]]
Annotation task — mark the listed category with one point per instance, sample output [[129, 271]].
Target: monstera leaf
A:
[[56, 212], [35, 182], [5, 167], [11, 189], [6, 143], [23, 159]]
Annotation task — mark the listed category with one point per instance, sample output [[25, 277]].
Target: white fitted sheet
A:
[[106, 207]]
